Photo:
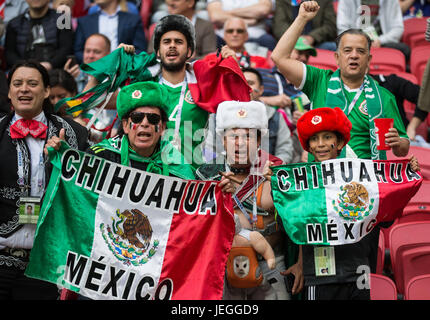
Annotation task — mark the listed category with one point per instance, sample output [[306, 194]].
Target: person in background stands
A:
[[34, 35], [117, 25], [205, 34]]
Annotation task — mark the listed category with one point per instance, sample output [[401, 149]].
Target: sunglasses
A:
[[137, 117], [239, 31]]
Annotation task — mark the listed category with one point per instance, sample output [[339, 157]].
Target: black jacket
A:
[[75, 135], [58, 44]]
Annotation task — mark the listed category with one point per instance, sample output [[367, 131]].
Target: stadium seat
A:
[[418, 40], [415, 262], [381, 253], [325, 59], [419, 57], [413, 26], [418, 288], [420, 202], [387, 59], [409, 251], [382, 288], [423, 156], [417, 209]]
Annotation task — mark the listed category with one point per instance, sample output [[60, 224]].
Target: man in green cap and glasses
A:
[[142, 110]]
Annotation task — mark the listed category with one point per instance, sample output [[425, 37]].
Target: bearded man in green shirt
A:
[[349, 87]]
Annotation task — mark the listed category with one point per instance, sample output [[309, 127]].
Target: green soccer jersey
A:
[[193, 121], [315, 86]]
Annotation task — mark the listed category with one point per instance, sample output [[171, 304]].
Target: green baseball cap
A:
[[142, 94], [302, 45]]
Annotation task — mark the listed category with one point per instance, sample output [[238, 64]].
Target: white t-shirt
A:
[[254, 31]]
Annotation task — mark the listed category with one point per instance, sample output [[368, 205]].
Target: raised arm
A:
[[291, 68]]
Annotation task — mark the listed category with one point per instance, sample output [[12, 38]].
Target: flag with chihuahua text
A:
[[109, 231], [337, 202]]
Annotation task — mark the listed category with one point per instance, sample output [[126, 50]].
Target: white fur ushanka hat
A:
[[245, 115]]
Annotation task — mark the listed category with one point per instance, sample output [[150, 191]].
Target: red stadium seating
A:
[[382, 288], [423, 156], [419, 57], [387, 59], [409, 251], [324, 59], [420, 203], [418, 40], [417, 209], [413, 26], [415, 262], [418, 288]]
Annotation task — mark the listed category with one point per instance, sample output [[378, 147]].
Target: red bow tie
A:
[[21, 128]]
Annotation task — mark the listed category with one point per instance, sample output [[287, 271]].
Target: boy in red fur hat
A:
[[324, 132]]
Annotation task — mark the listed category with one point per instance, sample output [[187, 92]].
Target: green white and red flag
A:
[[339, 201], [109, 231]]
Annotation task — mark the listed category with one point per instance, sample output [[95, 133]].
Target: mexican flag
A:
[[108, 231], [339, 201], [210, 81]]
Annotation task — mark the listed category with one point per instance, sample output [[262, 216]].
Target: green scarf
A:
[[112, 71], [336, 98], [158, 162]]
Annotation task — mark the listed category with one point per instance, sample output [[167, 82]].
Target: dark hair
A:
[[254, 71], [47, 106], [29, 64], [175, 22], [357, 32], [61, 78]]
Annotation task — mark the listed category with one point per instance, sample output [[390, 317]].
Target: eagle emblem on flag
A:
[[353, 202], [129, 237]]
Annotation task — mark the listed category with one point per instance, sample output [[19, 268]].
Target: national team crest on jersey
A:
[[363, 108], [189, 97]]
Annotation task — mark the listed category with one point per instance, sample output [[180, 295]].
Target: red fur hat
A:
[[323, 119]]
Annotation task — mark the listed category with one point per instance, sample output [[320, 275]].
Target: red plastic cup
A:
[[381, 128]]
